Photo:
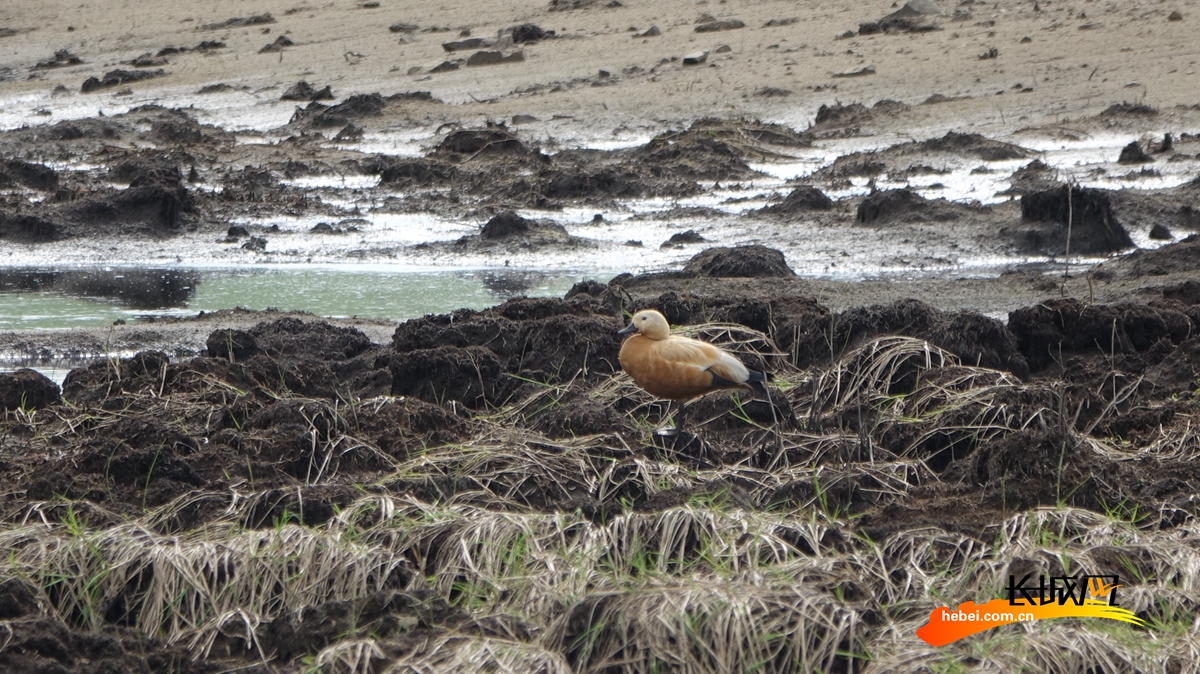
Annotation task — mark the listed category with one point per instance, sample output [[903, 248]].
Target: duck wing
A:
[[693, 353]]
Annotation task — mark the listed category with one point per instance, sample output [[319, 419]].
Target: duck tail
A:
[[758, 381]]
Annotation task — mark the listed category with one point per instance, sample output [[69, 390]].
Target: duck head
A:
[[649, 323]]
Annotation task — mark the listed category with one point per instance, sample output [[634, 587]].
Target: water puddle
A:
[[98, 296]]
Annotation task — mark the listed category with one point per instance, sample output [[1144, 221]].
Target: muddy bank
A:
[[876, 209], [284, 425]]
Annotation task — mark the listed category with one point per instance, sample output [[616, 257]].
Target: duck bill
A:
[[628, 329]]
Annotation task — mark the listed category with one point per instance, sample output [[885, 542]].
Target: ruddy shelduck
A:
[[680, 368]]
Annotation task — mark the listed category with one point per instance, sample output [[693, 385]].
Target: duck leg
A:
[[674, 413]]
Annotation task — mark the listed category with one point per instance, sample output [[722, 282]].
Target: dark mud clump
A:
[[504, 225], [679, 239], [1035, 176], [494, 139], [156, 203], [468, 374], [755, 261], [1134, 154], [303, 91], [974, 144], [1055, 330], [529, 33], [892, 206], [495, 163], [62, 58], [418, 172], [320, 116], [798, 203], [911, 18], [511, 231], [115, 78], [240, 22], [1089, 212], [539, 340], [840, 115], [33, 176], [1129, 110], [28, 229], [27, 389], [976, 339], [906, 157]]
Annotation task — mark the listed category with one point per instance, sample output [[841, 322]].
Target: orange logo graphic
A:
[[1062, 597]]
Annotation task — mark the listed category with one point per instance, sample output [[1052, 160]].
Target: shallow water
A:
[[379, 266], [93, 297]]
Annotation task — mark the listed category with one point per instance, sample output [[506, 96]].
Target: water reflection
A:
[[131, 288], [506, 284], [79, 298]]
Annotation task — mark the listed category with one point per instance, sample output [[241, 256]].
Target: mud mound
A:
[[529, 33], [891, 206], [26, 389], [40, 642], [96, 382], [905, 157], [1179, 257], [1035, 176], [693, 155], [754, 261], [491, 140], [470, 375], [1178, 371], [509, 230], [576, 415], [1020, 463], [147, 208], [240, 22], [839, 115], [311, 339], [420, 172], [320, 116], [1187, 292], [33, 176], [115, 78], [504, 225], [231, 344], [973, 144], [1134, 154], [915, 16], [1051, 331], [146, 169], [28, 229], [1094, 227], [408, 426], [542, 340], [976, 339], [387, 616], [980, 341], [798, 203], [565, 5], [1129, 110], [314, 359], [303, 91], [607, 182]]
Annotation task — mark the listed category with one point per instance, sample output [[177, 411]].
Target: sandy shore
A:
[[1053, 63]]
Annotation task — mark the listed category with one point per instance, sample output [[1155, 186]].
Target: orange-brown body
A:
[[679, 368]]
